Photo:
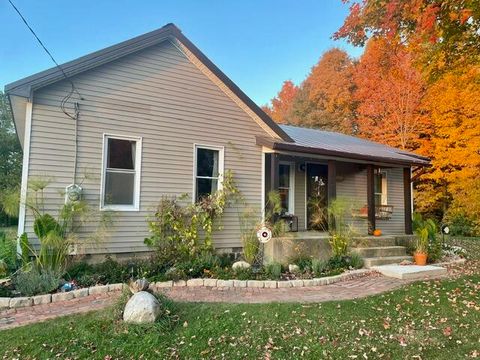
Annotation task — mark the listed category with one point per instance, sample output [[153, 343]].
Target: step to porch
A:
[[388, 260], [380, 251]]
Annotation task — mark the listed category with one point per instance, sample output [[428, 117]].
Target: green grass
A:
[[425, 320]]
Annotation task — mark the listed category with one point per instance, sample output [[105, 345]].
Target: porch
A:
[[378, 194]]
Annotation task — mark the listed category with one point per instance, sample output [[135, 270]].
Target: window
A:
[[285, 186], [380, 182], [121, 173], [208, 170]]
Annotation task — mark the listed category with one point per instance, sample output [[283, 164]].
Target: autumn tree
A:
[[328, 94], [389, 90], [452, 186], [442, 32], [281, 105]]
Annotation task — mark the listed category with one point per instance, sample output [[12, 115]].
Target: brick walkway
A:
[[28, 315], [351, 289]]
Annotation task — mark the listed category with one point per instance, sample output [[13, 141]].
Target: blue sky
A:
[[257, 43]]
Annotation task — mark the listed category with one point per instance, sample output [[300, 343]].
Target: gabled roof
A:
[[25, 87], [334, 144]]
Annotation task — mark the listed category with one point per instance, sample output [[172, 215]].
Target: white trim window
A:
[[286, 186], [121, 168], [208, 170], [381, 188]]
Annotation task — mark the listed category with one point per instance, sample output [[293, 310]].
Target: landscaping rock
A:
[[210, 282], [320, 281], [4, 302], [180, 283], [270, 284], [80, 293], [115, 287], [142, 307], [297, 283], [195, 282], [255, 283], [138, 285], [308, 282], [240, 283], [95, 290], [293, 268], [62, 296], [225, 283], [42, 299], [21, 302], [164, 284], [240, 265], [284, 284]]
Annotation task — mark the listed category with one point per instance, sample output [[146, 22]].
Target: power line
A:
[[44, 47]]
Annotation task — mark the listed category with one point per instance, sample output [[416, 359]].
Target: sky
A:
[[257, 43]]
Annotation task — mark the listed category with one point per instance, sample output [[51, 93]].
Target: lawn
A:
[[425, 320]]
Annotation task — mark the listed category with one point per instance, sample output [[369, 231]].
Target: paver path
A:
[[351, 289]]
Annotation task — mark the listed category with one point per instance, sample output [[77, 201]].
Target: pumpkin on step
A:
[[377, 232]]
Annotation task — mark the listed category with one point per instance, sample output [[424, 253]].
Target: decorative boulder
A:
[[138, 285], [142, 307], [293, 268], [240, 265]]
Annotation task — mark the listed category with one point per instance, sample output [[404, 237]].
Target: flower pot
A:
[[420, 258]]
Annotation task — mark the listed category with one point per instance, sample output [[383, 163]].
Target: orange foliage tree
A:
[[389, 90], [281, 105], [453, 183]]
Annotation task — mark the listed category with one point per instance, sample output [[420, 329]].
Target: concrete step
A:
[[380, 251], [376, 261], [373, 241]]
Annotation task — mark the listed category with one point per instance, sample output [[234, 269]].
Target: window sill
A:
[[120, 208]]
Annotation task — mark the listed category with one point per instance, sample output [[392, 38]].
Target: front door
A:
[[317, 197]]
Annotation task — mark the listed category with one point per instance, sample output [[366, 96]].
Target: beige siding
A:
[[158, 95], [395, 225]]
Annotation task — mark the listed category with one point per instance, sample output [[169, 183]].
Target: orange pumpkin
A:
[[377, 232]]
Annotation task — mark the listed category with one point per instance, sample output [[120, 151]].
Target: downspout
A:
[[25, 166]]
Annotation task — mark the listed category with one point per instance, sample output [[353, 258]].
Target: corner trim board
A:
[[25, 168]]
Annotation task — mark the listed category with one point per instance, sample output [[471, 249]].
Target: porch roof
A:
[[313, 141]]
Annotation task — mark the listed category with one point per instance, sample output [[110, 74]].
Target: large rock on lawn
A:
[[142, 307]]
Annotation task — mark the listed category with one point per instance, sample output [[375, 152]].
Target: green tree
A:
[[10, 156]]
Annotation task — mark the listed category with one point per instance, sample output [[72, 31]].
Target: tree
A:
[[445, 32], [330, 92], [389, 90], [281, 105], [10, 154], [453, 183]]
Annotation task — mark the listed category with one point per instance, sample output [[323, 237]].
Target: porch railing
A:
[[382, 212]]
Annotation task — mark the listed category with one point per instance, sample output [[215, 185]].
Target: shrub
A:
[[273, 270], [339, 244], [36, 281], [340, 232], [461, 225], [8, 253], [356, 261], [175, 274], [302, 260], [319, 266]]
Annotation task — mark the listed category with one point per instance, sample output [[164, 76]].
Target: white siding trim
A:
[[138, 173], [221, 166], [26, 161], [291, 190], [262, 205]]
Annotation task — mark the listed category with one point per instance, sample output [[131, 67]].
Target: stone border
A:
[[18, 302], [270, 284]]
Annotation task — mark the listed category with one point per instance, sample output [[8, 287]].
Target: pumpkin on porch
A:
[[377, 232]]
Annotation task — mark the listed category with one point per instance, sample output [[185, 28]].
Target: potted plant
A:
[[425, 230]]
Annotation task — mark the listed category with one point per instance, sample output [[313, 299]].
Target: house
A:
[[153, 116]]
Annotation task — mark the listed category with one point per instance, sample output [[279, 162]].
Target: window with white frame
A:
[[380, 183], [286, 186], [121, 172], [208, 170]]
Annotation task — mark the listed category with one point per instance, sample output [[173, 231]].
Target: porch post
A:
[[371, 199], [407, 200], [274, 172], [331, 187]]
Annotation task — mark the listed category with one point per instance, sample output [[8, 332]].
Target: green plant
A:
[[249, 221], [8, 253], [319, 266], [176, 228], [426, 232], [461, 225], [340, 231], [356, 261], [302, 260], [36, 281], [273, 270]]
